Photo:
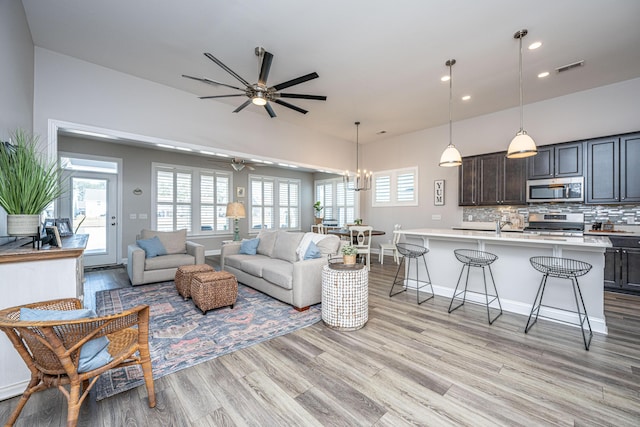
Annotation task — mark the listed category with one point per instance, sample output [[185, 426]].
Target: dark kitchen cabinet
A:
[[622, 265], [556, 161], [492, 179], [613, 172], [467, 182]]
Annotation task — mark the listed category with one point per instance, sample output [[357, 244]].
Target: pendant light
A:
[[451, 156], [522, 145], [361, 181]]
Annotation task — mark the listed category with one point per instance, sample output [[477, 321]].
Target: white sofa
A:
[[277, 269], [143, 270]]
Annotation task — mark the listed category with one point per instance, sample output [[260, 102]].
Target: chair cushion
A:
[[168, 261], [152, 247], [267, 242], [94, 353], [312, 251], [249, 246], [174, 242], [286, 245]]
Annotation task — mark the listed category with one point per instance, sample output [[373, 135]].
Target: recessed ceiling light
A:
[[89, 133], [466, 97], [382, 132], [535, 45], [444, 78], [267, 162], [543, 75], [210, 153], [183, 148], [222, 155], [165, 146]]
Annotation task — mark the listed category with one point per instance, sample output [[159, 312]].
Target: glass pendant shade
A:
[[522, 145], [450, 157]]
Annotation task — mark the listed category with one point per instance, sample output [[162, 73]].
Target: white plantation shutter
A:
[[274, 203], [397, 187], [338, 201]]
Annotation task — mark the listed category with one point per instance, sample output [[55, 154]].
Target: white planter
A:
[[23, 225]]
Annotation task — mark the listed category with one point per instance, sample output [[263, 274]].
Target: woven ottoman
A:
[[214, 290], [185, 274]]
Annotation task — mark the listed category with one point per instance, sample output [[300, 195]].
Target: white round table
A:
[[345, 297]]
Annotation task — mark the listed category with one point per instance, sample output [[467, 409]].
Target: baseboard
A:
[[13, 390]]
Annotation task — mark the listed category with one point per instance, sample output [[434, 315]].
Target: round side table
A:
[[345, 297]]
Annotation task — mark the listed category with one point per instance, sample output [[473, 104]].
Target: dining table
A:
[[344, 232]]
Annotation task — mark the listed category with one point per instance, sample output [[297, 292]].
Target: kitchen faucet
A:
[[500, 224]]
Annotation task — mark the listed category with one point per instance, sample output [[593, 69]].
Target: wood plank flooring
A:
[[410, 365]]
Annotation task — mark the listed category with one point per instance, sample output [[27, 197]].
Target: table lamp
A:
[[235, 210]]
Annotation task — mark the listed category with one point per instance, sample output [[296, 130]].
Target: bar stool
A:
[[562, 268], [412, 252], [472, 258]]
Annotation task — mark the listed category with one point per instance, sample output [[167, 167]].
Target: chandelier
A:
[[361, 180]]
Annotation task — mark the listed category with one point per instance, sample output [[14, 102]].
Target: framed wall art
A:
[[240, 192], [438, 192]]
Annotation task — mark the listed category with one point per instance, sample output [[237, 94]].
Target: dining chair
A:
[[390, 246], [319, 228], [75, 352], [361, 238]]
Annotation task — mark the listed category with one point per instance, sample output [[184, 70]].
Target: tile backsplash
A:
[[617, 214]]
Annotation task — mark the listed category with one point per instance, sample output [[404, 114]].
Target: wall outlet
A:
[[133, 216], [469, 218], [142, 216], [436, 217], [631, 221]]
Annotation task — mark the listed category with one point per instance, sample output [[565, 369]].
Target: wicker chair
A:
[[51, 350]]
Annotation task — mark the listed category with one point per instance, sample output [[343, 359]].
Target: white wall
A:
[[607, 110], [76, 91], [16, 76]]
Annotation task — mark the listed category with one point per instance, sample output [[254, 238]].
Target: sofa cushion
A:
[[312, 252], [286, 245], [255, 264], [279, 273], [329, 245], [174, 242], [152, 247], [306, 240], [267, 242], [249, 246], [168, 261]]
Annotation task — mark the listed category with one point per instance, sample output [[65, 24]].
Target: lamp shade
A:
[[522, 146], [450, 157], [235, 210]]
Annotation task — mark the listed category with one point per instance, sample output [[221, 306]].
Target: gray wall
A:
[[16, 77], [136, 173]]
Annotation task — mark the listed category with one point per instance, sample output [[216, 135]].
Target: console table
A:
[[30, 275]]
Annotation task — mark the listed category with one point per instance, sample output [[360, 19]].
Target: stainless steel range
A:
[[557, 224]]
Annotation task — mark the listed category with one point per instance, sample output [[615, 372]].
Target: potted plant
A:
[[349, 253], [28, 183], [317, 206]]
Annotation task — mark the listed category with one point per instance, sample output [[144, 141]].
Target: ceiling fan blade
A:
[[227, 69], [240, 108], [211, 82], [264, 68], [269, 109], [297, 81], [300, 96], [220, 96], [293, 107]]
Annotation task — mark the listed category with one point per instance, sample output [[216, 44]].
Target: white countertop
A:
[[587, 240]]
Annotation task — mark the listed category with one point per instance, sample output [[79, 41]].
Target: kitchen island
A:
[[516, 280]]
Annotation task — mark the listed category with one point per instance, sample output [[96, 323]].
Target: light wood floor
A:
[[410, 365]]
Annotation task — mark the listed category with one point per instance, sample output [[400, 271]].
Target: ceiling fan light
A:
[[522, 145], [450, 157], [259, 99]]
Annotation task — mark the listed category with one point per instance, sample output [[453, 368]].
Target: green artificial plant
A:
[[28, 181]]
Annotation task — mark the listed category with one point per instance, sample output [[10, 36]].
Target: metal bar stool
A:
[[412, 252], [562, 268], [472, 258]]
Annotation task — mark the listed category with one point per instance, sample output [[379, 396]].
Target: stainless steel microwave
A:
[[555, 190]]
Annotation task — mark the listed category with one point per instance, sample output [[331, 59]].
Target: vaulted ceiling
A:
[[379, 61]]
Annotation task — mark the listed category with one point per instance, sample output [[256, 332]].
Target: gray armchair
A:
[[143, 270]]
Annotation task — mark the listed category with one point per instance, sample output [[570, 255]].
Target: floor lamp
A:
[[236, 211]]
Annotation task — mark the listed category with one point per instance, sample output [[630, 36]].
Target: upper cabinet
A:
[[611, 175], [555, 161], [492, 179]]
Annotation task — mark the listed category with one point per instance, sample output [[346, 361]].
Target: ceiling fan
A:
[[259, 93], [239, 164]]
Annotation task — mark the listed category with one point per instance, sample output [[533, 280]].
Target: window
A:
[[339, 203], [191, 198], [275, 202], [397, 187]]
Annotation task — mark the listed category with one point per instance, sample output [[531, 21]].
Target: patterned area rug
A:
[[180, 336]]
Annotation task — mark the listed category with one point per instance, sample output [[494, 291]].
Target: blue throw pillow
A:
[[312, 251], [152, 247], [93, 354], [249, 246]]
